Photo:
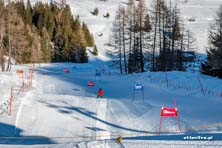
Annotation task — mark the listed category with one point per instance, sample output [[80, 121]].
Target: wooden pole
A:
[[11, 95], [23, 86], [166, 79], [202, 89], [30, 76], [160, 125], [178, 123]]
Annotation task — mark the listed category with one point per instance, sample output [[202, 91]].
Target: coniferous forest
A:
[[41, 33], [158, 36], [153, 35], [213, 65], [142, 38]]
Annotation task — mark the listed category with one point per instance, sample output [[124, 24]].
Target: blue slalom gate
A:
[[138, 87]]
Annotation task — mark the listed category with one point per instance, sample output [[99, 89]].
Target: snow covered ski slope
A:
[[61, 110]]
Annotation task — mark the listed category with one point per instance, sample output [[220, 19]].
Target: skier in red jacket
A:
[[100, 93]]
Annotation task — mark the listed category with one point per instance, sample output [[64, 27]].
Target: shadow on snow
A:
[[69, 109], [11, 135]]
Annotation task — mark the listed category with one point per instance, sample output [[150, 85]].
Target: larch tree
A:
[[213, 65]]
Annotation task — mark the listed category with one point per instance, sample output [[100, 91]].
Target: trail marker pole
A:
[[21, 74], [23, 87], [11, 96], [167, 79], [30, 76], [201, 86]]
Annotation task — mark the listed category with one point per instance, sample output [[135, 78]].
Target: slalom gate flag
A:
[[91, 83], [138, 87], [65, 70], [169, 112], [19, 71]]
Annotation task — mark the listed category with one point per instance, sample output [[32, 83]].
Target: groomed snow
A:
[[62, 109]]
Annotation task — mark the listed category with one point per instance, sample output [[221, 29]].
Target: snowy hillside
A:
[[61, 108], [202, 11]]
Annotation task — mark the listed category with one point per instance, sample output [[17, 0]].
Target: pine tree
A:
[[116, 41], [28, 13], [213, 66], [141, 14], [130, 11], [45, 46], [20, 6], [168, 38], [42, 32], [2, 25], [131, 27], [58, 48], [95, 12], [95, 51], [147, 24], [107, 15], [88, 36]]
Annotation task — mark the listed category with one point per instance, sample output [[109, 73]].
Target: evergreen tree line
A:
[[41, 33], [213, 65], [158, 37], [130, 28]]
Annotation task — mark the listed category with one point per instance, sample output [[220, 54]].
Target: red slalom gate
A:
[[66, 70], [169, 112], [91, 83]]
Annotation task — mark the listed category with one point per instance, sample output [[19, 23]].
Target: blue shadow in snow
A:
[[95, 129], [91, 115], [79, 81], [11, 135]]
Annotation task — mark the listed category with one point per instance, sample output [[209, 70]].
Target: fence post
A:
[[11, 95], [167, 79], [202, 89], [30, 76], [23, 86]]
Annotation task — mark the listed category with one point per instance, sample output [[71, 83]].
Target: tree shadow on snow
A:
[[11, 135], [95, 129], [89, 114], [80, 79]]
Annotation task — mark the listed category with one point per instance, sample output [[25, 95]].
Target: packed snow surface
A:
[[60, 110], [60, 107]]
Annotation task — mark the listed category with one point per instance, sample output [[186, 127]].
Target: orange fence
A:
[[7, 106]]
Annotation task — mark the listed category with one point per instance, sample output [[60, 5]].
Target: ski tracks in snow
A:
[[102, 132]]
